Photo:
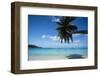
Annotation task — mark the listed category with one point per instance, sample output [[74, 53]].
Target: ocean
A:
[[56, 53]]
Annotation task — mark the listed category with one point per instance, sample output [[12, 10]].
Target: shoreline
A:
[[71, 56]]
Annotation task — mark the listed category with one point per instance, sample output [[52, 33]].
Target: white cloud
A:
[[76, 34], [54, 19], [43, 36], [77, 41], [53, 38]]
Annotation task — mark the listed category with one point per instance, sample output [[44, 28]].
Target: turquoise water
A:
[[55, 53]]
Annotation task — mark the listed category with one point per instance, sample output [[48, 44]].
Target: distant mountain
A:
[[34, 46]]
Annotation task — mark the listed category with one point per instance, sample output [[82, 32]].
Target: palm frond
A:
[[69, 19], [71, 28], [59, 23], [81, 32]]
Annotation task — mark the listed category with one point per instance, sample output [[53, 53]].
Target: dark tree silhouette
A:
[[66, 29]]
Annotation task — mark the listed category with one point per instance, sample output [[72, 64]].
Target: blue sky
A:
[[42, 32]]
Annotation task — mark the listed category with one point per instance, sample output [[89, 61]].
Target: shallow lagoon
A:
[[56, 53]]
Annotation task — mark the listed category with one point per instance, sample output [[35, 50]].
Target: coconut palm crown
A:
[[65, 29]]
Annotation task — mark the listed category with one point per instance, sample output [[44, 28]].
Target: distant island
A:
[[34, 46]]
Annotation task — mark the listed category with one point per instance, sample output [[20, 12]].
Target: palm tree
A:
[[66, 29]]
